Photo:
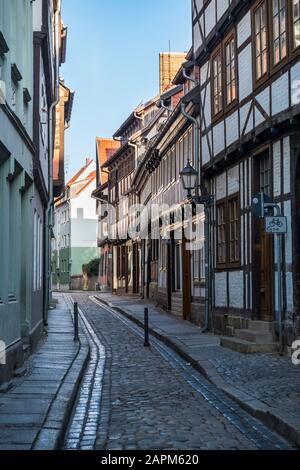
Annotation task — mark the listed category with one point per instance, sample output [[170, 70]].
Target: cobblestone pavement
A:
[[152, 399], [268, 378]]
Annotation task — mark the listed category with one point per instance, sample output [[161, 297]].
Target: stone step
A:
[[176, 310], [247, 347], [26, 351], [176, 304], [177, 295], [20, 372], [261, 326], [254, 336]]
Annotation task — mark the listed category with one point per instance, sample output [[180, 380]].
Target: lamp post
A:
[[189, 177]]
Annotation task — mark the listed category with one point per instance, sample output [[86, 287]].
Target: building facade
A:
[[124, 251], [248, 54], [236, 121], [173, 274], [105, 148], [30, 51], [75, 231]]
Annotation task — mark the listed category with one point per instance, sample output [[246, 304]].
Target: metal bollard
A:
[[76, 335], [146, 324]]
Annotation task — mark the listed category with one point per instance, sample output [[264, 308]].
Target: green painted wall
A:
[[82, 256], [61, 275]]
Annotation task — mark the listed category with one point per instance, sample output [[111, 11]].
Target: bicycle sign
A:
[[276, 224]]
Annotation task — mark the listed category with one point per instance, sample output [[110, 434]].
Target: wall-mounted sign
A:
[[276, 224]]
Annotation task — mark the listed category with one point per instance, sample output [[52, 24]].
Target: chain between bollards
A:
[[146, 325], [76, 334]]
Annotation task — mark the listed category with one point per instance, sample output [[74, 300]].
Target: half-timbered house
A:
[[173, 274], [249, 58], [120, 167]]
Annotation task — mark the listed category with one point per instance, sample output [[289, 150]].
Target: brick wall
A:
[[169, 64]]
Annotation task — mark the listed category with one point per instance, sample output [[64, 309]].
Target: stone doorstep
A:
[[256, 408], [247, 347], [254, 336]]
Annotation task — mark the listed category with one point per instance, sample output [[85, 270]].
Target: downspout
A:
[[135, 147], [196, 143], [138, 117], [49, 213], [70, 242], [162, 104], [206, 210], [187, 77]]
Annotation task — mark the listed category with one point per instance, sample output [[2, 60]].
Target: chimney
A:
[[169, 64], [88, 161]]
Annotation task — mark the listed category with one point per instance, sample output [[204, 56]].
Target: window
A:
[[173, 163], [228, 232], [186, 154], [282, 19], [261, 48], [191, 147], [181, 156], [199, 264], [233, 210], [221, 217], [230, 71], [217, 84], [13, 99], [265, 175], [38, 253], [155, 250], [118, 261], [279, 28], [296, 23], [224, 74]]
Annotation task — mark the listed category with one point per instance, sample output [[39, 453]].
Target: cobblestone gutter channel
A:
[[85, 420], [109, 415]]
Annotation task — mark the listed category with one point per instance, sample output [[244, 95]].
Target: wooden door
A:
[[186, 281], [169, 276], [263, 246], [296, 237], [136, 269], [266, 261]]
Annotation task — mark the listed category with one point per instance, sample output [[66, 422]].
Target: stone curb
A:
[[253, 406], [51, 436]]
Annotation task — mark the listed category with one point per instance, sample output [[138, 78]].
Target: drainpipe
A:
[[49, 212], [162, 104], [138, 117], [135, 147], [196, 142], [206, 211], [187, 77]]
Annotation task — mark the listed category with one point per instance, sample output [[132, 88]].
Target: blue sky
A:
[[112, 62]]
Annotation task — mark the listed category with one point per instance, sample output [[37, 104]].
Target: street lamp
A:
[[189, 178]]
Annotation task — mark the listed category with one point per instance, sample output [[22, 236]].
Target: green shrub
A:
[[92, 268]]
